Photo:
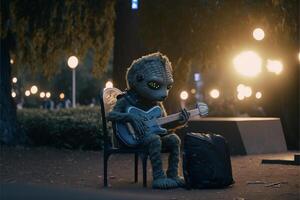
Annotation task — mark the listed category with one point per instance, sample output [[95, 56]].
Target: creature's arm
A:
[[172, 126], [119, 114]]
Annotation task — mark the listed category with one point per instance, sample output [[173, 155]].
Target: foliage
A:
[[207, 34], [78, 128], [48, 32]]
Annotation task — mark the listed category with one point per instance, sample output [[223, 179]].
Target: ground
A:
[[63, 174]]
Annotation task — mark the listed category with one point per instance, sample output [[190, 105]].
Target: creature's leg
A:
[[171, 143], [153, 144]]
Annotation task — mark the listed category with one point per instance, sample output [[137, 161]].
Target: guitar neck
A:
[[175, 117]]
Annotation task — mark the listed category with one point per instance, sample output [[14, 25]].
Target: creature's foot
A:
[[164, 183], [179, 181]]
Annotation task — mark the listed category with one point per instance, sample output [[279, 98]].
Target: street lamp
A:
[[62, 95], [27, 93], [215, 93], [34, 89], [73, 63], [258, 34], [13, 94], [14, 80], [42, 94], [274, 66], [48, 94], [248, 63], [183, 96], [109, 84]]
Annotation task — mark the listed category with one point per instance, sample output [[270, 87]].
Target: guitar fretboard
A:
[[176, 116]]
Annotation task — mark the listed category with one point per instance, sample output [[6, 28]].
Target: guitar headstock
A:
[[203, 109]]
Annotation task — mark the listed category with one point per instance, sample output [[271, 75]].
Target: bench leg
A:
[[144, 160], [105, 161], [136, 167]]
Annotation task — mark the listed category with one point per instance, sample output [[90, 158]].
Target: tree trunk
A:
[[8, 119]]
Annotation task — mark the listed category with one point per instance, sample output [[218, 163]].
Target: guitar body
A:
[[126, 133]]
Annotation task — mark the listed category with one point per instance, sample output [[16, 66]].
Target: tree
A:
[[39, 35]]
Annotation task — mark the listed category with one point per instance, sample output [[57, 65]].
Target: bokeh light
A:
[[42, 94], [14, 80], [274, 66], [72, 62], [248, 63], [240, 96], [12, 61], [13, 94], [184, 95], [258, 95], [34, 89], [48, 94], [27, 93], [258, 34], [193, 91], [215, 93], [109, 84], [62, 95]]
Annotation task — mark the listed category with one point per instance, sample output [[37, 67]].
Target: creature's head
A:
[[150, 76]]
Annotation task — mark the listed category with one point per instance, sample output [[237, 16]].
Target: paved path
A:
[[44, 173]]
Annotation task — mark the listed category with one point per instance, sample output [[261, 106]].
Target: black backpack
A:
[[206, 161]]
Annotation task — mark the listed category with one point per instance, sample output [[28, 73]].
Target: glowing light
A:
[[12, 61], [258, 95], [274, 66], [184, 95], [61, 95], [14, 80], [109, 84], [247, 91], [240, 97], [193, 91], [134, 4], [247, 63], [240, 87], [27, 93], [42, 94], [258, 34], [299, 56], [48, 94], [214, 93], [243, 91], [34, 89], [72, 62], [13, 94]]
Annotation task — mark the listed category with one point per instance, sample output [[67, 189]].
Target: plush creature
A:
[[149, 80]]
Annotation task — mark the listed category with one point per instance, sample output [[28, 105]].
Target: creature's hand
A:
[[203, 108], [184, 116], [138, 125]]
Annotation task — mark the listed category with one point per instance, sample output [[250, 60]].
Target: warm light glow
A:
[[193, 91], [243, 91], [247, 92], [34, 89], [13, 94], [12, 61], [299, 56], [61, 95], [184, 95], [258, 34], [27, 93], [14, 80], [109, 84], [274, 66], [258, 95], [48, 94], [42, 94], [240, 96], [214, 93], [240, 87], [248, 63], [72, 62]]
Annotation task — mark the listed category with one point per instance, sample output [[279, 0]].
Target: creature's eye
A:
[[153, 85], [169, 86]]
